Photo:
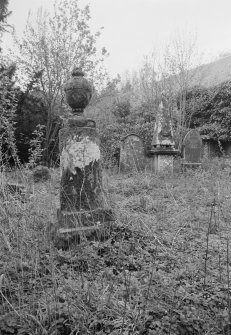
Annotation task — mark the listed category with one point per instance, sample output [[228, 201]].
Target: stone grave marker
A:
[[132, 154], [192, 149], [83, 208], [163, 148]]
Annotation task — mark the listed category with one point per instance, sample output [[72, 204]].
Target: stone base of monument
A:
[[189, 165], [82, 220], [73, 226], [163, 159], [163, 163]]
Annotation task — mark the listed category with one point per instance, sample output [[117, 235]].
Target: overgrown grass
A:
[[164, 269]]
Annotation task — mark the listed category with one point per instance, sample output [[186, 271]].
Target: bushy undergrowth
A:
[[163, 270]]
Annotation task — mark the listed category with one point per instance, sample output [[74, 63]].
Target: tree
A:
[[4, 13], [148, 81], [8, 99], [30, 113], [179, 72], [55, 43], [8, 102]]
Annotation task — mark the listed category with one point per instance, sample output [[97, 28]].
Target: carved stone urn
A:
[[78, 91]]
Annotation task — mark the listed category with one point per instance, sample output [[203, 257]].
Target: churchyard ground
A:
[[164, 269]]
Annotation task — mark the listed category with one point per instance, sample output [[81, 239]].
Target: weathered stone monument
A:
[[163, 146], [82, 202], [132, 154], [192, 149]]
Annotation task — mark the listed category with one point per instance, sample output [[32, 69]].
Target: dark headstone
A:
[[192, 148], [41, 173], [132, 154]]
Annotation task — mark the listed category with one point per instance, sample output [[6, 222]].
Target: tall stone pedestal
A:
[[82, 202]]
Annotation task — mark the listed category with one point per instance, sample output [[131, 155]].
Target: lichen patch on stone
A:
[[79, 154]]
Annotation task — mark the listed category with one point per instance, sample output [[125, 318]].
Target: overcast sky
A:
[[134, 28]]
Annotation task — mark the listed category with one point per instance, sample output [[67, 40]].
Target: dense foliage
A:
[[21, 113], [210, 110], [8, 103], [30, 113]]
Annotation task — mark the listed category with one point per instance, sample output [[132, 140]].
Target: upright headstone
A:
[[82, 204], [163, 145], [132, 155], [192, 149]]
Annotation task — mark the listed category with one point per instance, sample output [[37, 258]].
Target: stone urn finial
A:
[[78, 91]]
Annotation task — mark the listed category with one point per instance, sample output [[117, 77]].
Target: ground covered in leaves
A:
[[164, 269]]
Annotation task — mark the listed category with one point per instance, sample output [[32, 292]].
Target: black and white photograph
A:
[[115, 167]]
